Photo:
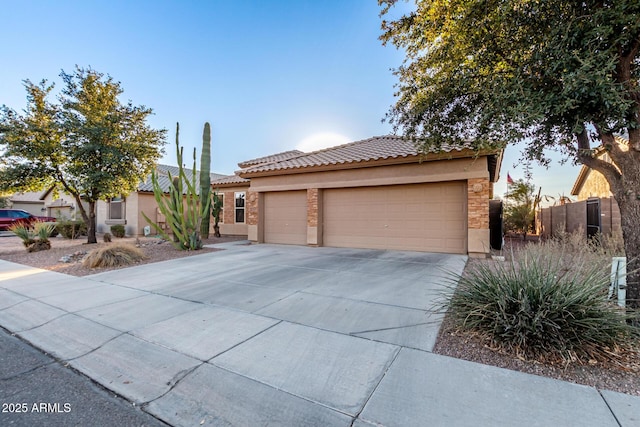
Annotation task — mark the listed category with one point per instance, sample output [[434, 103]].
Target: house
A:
[[127, 210], [233, 190], [376, 193], [45, 203], [600, 212], [30, 201]]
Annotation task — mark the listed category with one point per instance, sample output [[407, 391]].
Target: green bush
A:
[[118, 230], [548, 303], [70, 229]]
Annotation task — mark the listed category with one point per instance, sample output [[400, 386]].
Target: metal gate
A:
[[593, 217]]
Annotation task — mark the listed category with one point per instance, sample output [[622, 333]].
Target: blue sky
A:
[[267, 75]]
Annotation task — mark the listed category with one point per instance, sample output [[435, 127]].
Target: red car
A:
[[8, 217]]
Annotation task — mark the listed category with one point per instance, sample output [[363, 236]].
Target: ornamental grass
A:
[[548, 303], [113, 255]]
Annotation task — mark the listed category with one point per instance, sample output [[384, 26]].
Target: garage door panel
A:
[[424, 217], [285, 217]]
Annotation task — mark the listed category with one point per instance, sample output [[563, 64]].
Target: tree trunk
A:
[[630, 219], [91, 226]]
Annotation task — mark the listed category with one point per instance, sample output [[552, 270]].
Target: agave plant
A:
[[34, 238], [24, 232]]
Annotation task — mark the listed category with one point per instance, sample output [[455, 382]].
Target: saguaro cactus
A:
[[182, 208], [205, 179]]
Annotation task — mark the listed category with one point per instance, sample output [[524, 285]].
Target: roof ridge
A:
[[353, 143]]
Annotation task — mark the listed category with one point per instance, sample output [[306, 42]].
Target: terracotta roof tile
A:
[[230, 179], [271, 158], [376, 148], [163, 178]]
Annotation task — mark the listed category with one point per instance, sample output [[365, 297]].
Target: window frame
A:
[[237, 196]]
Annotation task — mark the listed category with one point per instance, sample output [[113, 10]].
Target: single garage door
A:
[[415, 217], [285, 217]]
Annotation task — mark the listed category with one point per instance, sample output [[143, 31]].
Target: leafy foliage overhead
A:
[[497, 70]]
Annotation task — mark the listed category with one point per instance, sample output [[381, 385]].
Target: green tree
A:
[[519, 207], [89, 144], [558, 74]]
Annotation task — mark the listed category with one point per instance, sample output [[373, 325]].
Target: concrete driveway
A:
[[281, 335]]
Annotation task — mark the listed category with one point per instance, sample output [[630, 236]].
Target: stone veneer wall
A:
[[478, 195], [228, 213], [312, 207], [252, 207]]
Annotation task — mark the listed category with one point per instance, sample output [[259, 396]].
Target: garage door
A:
[[285, 217], [416, 217]]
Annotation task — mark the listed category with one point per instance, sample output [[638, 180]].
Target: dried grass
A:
[[115, 255]]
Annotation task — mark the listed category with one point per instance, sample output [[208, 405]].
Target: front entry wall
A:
[[401, 207], [416, 217]]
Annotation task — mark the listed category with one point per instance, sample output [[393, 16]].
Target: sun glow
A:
[[318, 141]]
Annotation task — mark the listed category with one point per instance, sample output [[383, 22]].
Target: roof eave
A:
[[416, 158], [582, 177]]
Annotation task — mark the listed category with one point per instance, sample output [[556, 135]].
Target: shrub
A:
[[115, 255], [25, 233], [54, 228], [118, 230], [70, 229], [35, 238], [106, 237], [548, 303]]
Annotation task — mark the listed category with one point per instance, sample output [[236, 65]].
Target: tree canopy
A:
[[88, 144], [559, 74]]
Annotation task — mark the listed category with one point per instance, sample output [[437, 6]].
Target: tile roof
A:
[[229, 179], [376, 148], [163, 178], [28, 197], [271, 158]]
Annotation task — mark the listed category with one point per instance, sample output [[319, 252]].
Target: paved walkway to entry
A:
[[285, 336]]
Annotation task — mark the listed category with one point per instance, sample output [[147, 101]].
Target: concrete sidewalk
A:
[[277, 335]]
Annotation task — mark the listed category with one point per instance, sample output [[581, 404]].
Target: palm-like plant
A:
[[520, 207]]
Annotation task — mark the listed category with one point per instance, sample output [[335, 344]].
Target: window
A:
[[239, 207], [116, 208]]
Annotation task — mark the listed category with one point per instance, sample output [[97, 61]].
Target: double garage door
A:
[[415, 217]]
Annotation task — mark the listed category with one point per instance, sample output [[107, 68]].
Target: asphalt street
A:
[[37, 390]]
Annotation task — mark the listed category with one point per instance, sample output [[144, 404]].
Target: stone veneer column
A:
[[253, 215], [229, 203], [478, 236], [314, 217]]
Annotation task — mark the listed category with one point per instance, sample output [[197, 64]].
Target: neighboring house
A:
[[62, 205], [44, 203], [30, 201], [377, 193], [127, 210], [600, 212]]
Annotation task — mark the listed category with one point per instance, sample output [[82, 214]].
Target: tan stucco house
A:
[[376, 193], [45, 203], [127, 210]]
